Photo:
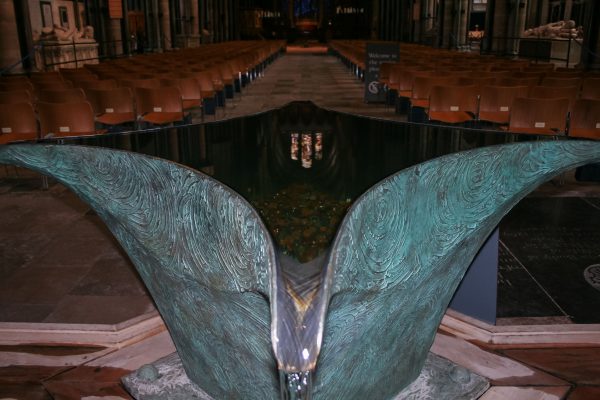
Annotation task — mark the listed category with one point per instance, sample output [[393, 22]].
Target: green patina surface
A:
[[211, 266]]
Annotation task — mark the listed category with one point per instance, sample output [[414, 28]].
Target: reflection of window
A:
[[46, 14], [306, 146], [64, 17]]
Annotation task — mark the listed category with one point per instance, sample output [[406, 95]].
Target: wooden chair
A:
[[99, 84], [61, 96], [561, 82], [555, 92], [590, 89], [47, 76], [112, 106], [151, 83], [14, 78], [453, 104], [14, 97], [495, 102], [538, 116], [539, 67], [11, 86], [571, 73], [66, 119], [159, 106], [531, 74], [477, 81], [422, 86], [52, 85], [585, 119], [529, 82], [191, 95], [17, 122]]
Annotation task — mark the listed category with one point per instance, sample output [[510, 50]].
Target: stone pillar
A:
[[165, 22], [447, 26], [501, 22], [521, 16], [543, 12], [463, 21], [375, 20], [201, 20], [568, 9], [195, 18], [114, 37], [591, 28], [9, 37]]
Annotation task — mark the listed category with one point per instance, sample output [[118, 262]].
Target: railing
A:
[[9, 68], [533, 47], [75, 53]]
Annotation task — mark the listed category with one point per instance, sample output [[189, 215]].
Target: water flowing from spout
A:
[[295, 385]]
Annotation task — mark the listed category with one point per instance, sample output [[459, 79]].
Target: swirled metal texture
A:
[[402, 250], [201, 250], [395, 263]]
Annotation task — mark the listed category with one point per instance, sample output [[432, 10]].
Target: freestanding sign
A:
[[378, 53]]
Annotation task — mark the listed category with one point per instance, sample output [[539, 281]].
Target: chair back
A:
[[17, 96], [538, 116], [17, 122], [61, 96], [66, 119], [496, 101], [585, 119]]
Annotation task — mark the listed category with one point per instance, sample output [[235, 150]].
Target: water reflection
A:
[[302, 166]]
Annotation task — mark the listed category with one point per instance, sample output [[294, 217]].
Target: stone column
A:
[[501, 23], [195, 18], [165, 22], [568, 9], [9, 37], [543, 12], [591, 59], [375, 20], [463, 21], [446, 23], [115, 36]]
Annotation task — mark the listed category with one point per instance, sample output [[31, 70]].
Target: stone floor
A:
[[319, 78], [61, 268]]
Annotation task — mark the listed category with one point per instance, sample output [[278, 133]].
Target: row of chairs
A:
[[354, 52], [90, 115], [510, 108], [73, 102], [451, 87], [197, 75]]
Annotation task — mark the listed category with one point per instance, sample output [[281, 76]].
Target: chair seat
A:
[[579, 132], [451, 117], [116, 118], [191, 103], [15, 137], [536, 131], [160, 118], [498, 117], [423, 103], [208, 94]]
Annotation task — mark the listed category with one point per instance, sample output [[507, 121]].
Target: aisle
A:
[[322, 79]]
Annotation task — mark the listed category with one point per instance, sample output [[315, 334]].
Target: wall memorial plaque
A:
[[378, 53]]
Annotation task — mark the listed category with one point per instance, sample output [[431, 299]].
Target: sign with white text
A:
[[377, 54]]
